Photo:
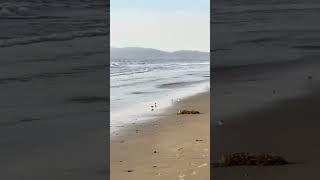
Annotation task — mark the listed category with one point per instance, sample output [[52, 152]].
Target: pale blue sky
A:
[[162, 4], [162, 24]]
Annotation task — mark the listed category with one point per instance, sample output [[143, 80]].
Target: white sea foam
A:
[[136, 85]]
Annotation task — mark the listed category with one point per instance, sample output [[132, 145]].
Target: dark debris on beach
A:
[[247, 159], [187, 112]]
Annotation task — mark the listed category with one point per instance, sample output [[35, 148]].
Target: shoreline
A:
[[148, 150], [142, 114]]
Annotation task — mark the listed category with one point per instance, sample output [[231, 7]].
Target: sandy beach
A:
[[169, 147], [274, 112], [265, 86], [51, 126], [54, 90]]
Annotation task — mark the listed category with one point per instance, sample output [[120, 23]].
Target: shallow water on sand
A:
[[140, 89]]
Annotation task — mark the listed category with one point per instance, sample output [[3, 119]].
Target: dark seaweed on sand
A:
[[247, 159]]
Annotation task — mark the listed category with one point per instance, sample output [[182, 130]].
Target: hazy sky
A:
[[162, 24]]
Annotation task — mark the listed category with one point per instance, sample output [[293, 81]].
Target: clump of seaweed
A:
[[247, 159], [188, 112]]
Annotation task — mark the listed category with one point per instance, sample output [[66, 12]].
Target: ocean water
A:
[[32, 21], [136, 85]]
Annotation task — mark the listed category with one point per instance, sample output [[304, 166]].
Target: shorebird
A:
[[155, 104], [152, 108]]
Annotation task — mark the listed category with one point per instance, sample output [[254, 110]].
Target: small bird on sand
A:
[[155, 104]]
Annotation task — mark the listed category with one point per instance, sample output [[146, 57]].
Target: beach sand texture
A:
[[53, 83], [171, 147], [282, 120], [271, 107]]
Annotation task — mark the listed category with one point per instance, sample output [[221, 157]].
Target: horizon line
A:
[[159, 49]]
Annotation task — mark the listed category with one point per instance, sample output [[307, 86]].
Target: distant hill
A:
[[148, 53]]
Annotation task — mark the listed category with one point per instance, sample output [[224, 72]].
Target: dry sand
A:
[[171, 147]]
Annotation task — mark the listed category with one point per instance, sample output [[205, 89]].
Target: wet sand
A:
[[268, 108], [170, 147], [51, 127], [289, 129], [265, 56]]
